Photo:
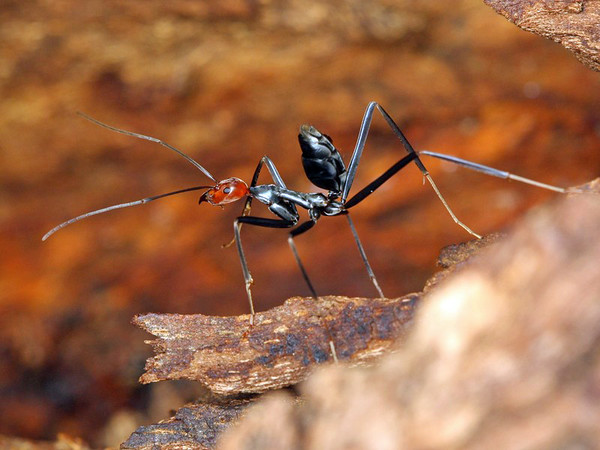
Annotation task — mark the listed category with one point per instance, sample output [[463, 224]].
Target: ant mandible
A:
[[325, 168]]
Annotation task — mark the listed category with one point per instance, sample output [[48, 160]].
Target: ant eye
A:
[[227, 190]]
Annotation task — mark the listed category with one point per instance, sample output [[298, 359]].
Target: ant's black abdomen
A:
[[322, 163]]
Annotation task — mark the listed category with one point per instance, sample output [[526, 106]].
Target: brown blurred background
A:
[[228, 82]]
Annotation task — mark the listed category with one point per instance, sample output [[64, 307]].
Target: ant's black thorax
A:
[[283, 202]]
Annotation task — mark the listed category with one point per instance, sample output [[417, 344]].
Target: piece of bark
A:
[[196, 425], [457, 253], [452, 257], [591, 187], [280, 349], [505, 354], [573, 24]]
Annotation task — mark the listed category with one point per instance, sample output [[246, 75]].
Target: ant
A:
[[325, 168]]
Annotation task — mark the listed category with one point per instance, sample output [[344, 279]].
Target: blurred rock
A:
[[63, 442]]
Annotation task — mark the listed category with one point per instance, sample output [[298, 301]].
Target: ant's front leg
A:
[[260, 222], [248, 204]]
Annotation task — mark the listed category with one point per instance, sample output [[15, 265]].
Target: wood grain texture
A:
[[196, 425], [230, 356], [573, 24]]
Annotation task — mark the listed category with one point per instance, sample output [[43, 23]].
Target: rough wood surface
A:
[[285, 343], [195, 425], [574, 24], [454, 256]]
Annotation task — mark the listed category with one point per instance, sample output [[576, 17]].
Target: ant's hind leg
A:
[[363, 255], [359, 147], [261, 222]]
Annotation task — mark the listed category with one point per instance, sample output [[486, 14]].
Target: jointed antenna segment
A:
[[119, 206], [152, 139]]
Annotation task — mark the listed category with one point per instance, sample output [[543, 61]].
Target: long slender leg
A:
[[363, 255], [359, 147], [375, 184], [491, 171], [302, 228], [275, 223], [261, 222]]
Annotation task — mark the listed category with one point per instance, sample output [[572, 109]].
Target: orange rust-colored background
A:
[[228, 82]]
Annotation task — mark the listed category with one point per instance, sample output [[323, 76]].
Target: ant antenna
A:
[[152, 139], [119, 206]]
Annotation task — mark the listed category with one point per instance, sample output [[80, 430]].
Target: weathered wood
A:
[[573, 24], [285, 343], [196, 425]]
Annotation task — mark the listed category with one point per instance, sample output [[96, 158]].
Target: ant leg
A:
[[375, 184], [363, 255], [297, 231], [491, 171], [261, 222], [248, 204], [359, 147]]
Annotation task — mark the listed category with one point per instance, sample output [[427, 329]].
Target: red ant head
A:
[[226, 191]]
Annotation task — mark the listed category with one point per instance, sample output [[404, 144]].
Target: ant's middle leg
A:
[[307, 226], [363, 255], [260, 222], [302, 228]]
